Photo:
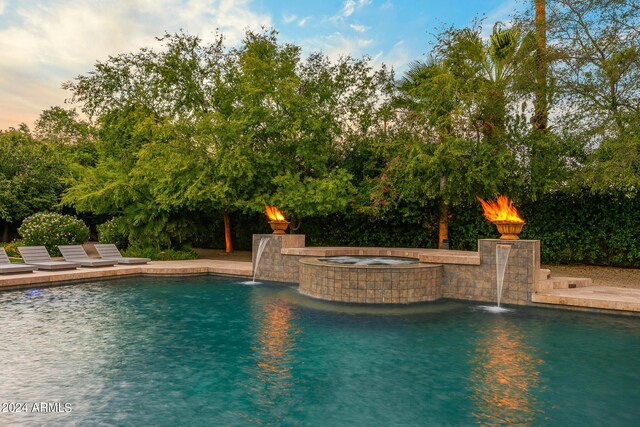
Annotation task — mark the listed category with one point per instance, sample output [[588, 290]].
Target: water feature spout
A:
[[261, 246], [502, 256]]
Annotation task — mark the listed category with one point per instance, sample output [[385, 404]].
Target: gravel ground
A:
[[601, 276]]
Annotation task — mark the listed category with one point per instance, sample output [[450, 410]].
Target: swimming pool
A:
[[197, 351]]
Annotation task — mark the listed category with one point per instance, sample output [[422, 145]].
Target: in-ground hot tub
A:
[[368, 260], [372, 280]]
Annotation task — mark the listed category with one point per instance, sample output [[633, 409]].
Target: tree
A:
[[461, 101], [62, 126], [31, 176], [223, 131], [72, 135], [541, 113], [597, 69]]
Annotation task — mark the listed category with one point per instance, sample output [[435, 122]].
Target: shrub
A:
[[12, 248], [53, 229], [114, 231], [161, 254]]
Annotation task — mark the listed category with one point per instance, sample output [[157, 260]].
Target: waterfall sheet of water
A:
[[502, 256], [261, 246]]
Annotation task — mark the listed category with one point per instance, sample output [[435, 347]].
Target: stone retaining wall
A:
[[273, 265], [476, 282]]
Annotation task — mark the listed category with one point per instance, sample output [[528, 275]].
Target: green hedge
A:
[[586, 228], [161, 254], [580, 228]]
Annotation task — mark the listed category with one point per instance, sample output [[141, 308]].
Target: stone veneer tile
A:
[[468, 281]]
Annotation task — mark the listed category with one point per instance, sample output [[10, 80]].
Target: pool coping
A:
[[154, 268], [564, 299], [435, 256]]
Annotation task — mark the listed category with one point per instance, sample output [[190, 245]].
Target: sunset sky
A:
[[44, 43]]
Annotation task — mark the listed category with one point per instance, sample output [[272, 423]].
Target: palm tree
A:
[[469, 79], [540, 117]]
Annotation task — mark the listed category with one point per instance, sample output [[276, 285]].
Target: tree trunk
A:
[[5, 233], [227, 233], [444, 227], [541, 113]]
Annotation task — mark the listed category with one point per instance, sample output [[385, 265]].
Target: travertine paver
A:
[[602, 297], [199, 266], [436, 256]]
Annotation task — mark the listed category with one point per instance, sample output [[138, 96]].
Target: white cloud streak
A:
[[359, 28], [288, 19], [348, 8], [303, 21]]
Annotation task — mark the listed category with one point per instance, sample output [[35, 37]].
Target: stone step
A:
[[570, 282], [602, 297], [544, 274], [563, 283]]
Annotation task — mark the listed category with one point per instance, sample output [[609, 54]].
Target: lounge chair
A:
[[38, 256], [110, 251], [7, 267], [76, 253]]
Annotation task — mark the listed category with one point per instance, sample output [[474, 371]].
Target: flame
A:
[[500, 210], [274, 213]]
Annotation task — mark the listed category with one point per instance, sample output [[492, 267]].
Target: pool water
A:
[[368, 260], [208, 351]]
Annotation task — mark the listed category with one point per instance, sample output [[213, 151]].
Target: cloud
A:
[[333, 45], [359, 28], [50, 42], [303, 21], [388, 5], [364, 42], [3, 4], [502, 13], [397, 57], [348, 8], [288, 19]]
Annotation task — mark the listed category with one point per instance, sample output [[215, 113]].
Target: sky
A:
[[44, 43]]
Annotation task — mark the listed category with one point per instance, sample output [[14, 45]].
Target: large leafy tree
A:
[[195, 128], [31, 176], [596, 51]]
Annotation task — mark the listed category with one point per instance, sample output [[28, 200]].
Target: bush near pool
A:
[[53, 229]]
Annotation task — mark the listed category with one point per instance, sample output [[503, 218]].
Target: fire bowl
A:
[[279, 227], [509, 230]]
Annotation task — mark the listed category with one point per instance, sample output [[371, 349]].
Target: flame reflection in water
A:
[[275, 342], [504, 377]]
